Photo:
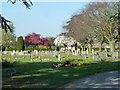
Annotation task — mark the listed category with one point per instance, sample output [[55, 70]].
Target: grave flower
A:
[[66, 65], [75, 64], [56, 64]]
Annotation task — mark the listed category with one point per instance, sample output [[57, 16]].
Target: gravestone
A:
[[85, 56], [13, 53], [87, 51], [92, 51], [21, 50], [17, 52], [99, 57], [96, 57], [89, 55], [105, 50], [113, 55], [95, 52], [78, 51], [83, 52], [5, 52], [36, 51], [93, 57], [75, 52], [116, 55], [59, 58]]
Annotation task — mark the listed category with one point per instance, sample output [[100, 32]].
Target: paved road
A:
[[102, 80]]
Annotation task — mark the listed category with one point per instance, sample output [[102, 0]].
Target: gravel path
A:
[[102, 80]]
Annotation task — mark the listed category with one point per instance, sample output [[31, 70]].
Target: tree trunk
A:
[[90, 47], [57, 48], [82, 50], [100, 46], [1, 51], [112, 46]]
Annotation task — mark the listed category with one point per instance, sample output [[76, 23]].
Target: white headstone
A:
[[75, 52], [105, 50], [59, 57], [83, 52], [5, 52], [116, 54], [87, 51], [93, 57], [78, 51], [92, 51]]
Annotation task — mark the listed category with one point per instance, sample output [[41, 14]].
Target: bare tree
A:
[[98, 19]]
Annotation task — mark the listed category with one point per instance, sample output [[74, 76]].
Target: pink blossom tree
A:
[[32, 39], [44, 42]]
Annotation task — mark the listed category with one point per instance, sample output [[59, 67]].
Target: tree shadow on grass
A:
[[42, 75]]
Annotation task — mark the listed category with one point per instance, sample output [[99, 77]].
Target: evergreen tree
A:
[[20, 43]]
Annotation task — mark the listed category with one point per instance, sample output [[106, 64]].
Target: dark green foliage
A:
[[11, 49], [97, 49], [6, 64], [20, 43]]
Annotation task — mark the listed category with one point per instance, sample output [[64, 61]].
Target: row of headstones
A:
[[28, 52], [102, 55], [16, 52], [77, 52], [43, 53]]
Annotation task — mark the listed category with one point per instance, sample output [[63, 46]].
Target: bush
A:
[[29, 48], [117, 48], [11, 49], [95, 49]]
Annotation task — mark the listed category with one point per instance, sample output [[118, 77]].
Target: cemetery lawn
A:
[[42, 75]]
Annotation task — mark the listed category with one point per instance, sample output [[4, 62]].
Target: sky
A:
[[45, 18]]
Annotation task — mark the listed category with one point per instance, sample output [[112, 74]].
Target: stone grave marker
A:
[[92, 51], [93, 57], [59, 58], [87, 51]]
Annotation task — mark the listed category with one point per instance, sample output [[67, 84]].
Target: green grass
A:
[[42, 75]]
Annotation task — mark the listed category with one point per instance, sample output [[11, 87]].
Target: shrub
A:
[[11, 49], [96, 49]]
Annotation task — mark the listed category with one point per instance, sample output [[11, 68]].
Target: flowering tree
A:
[[33, 39], [64, 41], [44, 42]]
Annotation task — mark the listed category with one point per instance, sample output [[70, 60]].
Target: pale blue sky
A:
[[45, 18]]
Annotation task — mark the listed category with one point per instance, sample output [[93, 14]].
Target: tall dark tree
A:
[[20, 43]]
